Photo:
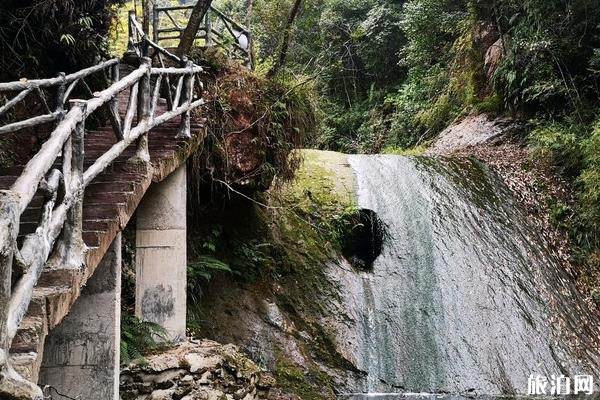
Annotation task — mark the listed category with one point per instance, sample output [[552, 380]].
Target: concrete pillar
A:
[[160, 256], [81, 355]]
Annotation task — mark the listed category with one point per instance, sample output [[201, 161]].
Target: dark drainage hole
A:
[[363, 241]]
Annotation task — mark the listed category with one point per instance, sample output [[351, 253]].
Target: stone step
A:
[[7, 181], [58, 302], [27, 365], [119, 177], [107, 197], [116, 186], [96, 225], [11, 171], [99, 211], [28, 344], [30, 335], [92, 238]]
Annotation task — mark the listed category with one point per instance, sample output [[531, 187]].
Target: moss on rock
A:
[[290, 240]]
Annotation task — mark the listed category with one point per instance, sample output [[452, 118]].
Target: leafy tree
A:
[[189, 34], [363, 41], [550, 51], [44, 37], [285, 39]]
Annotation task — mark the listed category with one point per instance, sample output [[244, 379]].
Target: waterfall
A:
[[465, 298]]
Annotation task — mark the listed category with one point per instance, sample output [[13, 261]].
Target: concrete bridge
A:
[[62, 213]]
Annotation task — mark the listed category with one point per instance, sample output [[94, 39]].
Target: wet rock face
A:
[[473, 131], [204, 370], [465, 297]]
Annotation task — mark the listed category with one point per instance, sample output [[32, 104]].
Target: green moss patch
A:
[[281, 245]]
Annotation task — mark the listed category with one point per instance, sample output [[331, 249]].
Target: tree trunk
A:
[[146, 12], [285, 41], [249, 4], [189, 34], [251, 55]]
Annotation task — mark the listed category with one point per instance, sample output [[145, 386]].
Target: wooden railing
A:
[[61, 88], [58, 172], [218, 29]]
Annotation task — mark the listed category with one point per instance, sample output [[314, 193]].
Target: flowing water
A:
[[465, 298]]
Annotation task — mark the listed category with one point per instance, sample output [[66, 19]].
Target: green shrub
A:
[[560, 143], [574, 149], [139, 338]]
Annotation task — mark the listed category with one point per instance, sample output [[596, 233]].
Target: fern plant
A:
[[139, 338]]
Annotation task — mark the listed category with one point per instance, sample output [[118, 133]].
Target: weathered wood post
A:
[[187, 93], [11, 384], [208, 25], [143, 110], [60, 95], [146, 7], [145, 46], [130, 30], [113, 105], [155, 23], [73, 156], [9, 225], [250, 55]]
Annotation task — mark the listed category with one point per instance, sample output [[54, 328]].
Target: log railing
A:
[[60, 89], [218, 29], [57, 170]]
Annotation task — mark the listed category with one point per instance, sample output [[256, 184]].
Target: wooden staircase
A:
[[64, 205], [109, 203]]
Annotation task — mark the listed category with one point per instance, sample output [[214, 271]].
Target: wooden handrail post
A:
[[9, 228], [187, 93], [250, 65], [146, 7], [145, 46], [131, 33], [60, 94], [67, 163], [208, 24], [72, 231], [143, 110], [113, 105], [155, 23]]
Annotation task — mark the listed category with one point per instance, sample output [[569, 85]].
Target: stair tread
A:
[[29, 334], [46, 291], [24, 363]]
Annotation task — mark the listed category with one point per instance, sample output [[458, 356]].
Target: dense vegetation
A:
[[390, 75], [41, 38], [380, 76]]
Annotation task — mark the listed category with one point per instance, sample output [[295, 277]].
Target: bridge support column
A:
[[161, 255], [81, 355]]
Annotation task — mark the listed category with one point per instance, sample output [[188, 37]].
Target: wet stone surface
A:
[[465, 298]]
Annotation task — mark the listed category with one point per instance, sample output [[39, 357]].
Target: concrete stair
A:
[[109, 202]]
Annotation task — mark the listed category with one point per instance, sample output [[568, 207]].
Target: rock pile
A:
[[203, 370]]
